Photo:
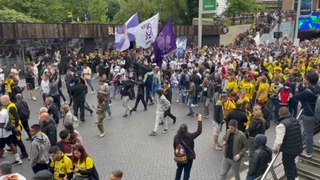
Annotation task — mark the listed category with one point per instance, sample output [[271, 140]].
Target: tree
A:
[[113, 8], [98, 10], [11, 15], [236, 7]]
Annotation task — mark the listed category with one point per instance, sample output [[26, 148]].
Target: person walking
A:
[[30, 81], [6, 135], [101, 114], [185, 140], [308, 98], [140, 95], [260, 158], [168, 94], [162, 105], [39, 149], [148, 80], [53, 110], [16, 123], [78, 94], [87, 76], [218, 121], [126, 93], [24, 114], [235, 144], [49, 128], [288, 141], [191, 97], [104, 89], [207, 95]]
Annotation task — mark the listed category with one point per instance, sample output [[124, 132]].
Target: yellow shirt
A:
[[9, 82], [249, 88], [232, 86], [61, 167], [249, 116], [227, 107], [241, 100], [263, 91], [85, 165]]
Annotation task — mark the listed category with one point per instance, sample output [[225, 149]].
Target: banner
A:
[[306, 7], [165, 42], [146, 32], [181, 46], [125, 33]]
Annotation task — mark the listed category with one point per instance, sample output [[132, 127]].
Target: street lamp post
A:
[[296, 39], [200, 24]]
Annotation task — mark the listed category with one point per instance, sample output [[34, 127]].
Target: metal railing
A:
[[271, 167]]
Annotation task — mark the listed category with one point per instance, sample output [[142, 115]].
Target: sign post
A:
[[205, 7]]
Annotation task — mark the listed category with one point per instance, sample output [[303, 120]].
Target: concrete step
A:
[[303, 176], [314, 160], [308, 170]]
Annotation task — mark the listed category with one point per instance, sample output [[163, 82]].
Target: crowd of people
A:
[[245, 87]]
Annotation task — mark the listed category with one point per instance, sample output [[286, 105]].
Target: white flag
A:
[[146, 32]]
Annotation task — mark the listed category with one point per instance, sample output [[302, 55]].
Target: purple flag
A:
[[125, 34], [165, 42]]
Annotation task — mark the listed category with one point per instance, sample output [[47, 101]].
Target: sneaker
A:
[[145, 109], [178, 101], [165, 131], [110, 104], [125, 115], [307, 155], [161, 123], [131, 111], [153, 133], [34, 98], [96, 122], [92, 92], [246, 163], [217, 147], [101, 135], [17, 162], [192, 105], [110, 117], [37, 87]]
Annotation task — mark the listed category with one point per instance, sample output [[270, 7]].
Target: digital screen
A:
[[311, 22]]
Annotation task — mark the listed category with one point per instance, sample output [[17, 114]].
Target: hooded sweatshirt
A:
[[39, 149]]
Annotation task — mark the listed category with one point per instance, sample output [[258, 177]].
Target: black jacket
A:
[[78, 92], [256, 127], [258, 163], [50, 130], [308, 100], [188, 140], [54, 111], [240, 116]]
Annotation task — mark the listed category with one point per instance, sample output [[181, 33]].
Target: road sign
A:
[[209, 6]]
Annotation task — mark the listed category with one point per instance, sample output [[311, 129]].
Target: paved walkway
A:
[[128, 147]]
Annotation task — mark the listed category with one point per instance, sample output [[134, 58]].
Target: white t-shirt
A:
[[87, 73], [13, 176], [4, 118]]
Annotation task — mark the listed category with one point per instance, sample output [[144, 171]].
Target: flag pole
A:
[[200, 24]]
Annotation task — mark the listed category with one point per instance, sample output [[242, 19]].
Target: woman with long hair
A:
[[83, 163], [257, 126], [75, 137], [184, 141]]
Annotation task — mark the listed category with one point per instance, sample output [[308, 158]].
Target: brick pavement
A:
[[128, 147]]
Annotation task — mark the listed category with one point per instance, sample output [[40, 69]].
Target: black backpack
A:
[[124, 90], [23, 110]]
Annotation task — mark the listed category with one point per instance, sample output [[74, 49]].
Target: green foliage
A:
[[10, 15], [236, 7], [113, 8], [98, 10]]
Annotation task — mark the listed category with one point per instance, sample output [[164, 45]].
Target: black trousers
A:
[[39, 167], [19, 143], [56, 99], [168, 113], [62, 95], [140, 97], [76, 107], [148, 94], [26, 127], [289, 165]]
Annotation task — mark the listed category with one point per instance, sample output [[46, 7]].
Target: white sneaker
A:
[[218, 148], [109, 118], [246, 163], [177, 100], [96, 122], [37, 87], [101, 135], [92, 92], [34, 98]]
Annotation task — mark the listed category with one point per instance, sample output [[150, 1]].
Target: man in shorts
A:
[[218, 121], [6, 135]]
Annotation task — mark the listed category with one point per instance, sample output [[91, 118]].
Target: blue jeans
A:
[[114, 92], [190, 106], [90, 84], [249, 178], [108, 107], [187, 169]]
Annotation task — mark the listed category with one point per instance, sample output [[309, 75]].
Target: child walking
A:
[[101, 114]]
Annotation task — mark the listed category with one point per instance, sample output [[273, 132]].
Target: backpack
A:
[[316, 111], [284, 96], [180, 154], [23, 110], [124, 89]]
